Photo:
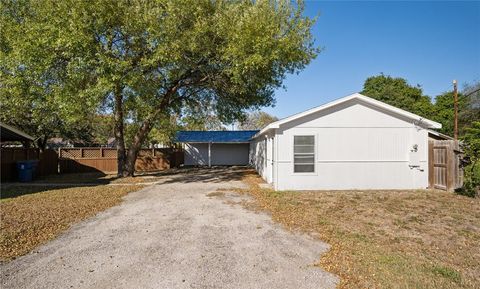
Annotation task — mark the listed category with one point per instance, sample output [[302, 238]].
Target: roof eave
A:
[[17, 131], [374, 102], [430, 123], [266, 129], [440, 134]]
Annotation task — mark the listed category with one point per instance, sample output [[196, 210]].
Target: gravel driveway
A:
[[175, 234]]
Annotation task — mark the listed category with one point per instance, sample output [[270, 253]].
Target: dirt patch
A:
[[216, 194], [385, 239], [31, 216]]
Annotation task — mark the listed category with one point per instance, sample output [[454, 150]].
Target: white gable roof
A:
[[426, 122]]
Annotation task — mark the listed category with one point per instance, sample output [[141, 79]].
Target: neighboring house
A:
[[216, 147], [355, 142], [58, 142], [111, 142]]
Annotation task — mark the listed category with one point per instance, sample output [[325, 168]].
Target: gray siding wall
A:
[[230, 154], [196, 154]]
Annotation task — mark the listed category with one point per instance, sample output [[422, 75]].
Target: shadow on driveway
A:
[[216, 174]]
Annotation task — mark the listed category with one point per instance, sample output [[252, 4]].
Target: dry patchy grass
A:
[[32, 215], [385, 239], [217, 193]]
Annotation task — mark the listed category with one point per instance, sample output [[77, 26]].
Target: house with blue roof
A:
[[214, 148]]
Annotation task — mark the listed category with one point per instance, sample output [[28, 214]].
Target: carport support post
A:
[[209, 154]]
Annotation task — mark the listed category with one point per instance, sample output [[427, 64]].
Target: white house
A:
[[355, 142]]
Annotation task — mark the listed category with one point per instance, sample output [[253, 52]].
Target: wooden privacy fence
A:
[[47, 165], [81, 160], [445, 171]]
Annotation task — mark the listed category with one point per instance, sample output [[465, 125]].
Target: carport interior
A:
[[213, 148], [216, 154]]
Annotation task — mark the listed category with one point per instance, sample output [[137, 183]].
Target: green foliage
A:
[[102, 128], [200, 117], [147, 58], [163, 131], [33, 96], [446, 272], [257, 120], [471, 112], [444, 112], [472, 157], [397, 92]]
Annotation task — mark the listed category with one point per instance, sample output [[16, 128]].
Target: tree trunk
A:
[[145, 130], [42, 143], [119, 137], [136, 145], [130, 159]]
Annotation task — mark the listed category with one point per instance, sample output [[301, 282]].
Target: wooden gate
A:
[[445, 172], [440, 167]]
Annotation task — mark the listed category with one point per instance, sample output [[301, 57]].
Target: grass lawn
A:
[[385, 239], [32, 215]]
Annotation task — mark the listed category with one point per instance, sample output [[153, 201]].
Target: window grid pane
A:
[[304, 149], [304, 154], [304, 168], [304, 140], [304, 159]]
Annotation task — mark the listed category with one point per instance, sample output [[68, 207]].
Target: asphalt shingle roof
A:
[[227, 136]]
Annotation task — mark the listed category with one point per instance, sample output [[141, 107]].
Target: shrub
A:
[[471, 146]]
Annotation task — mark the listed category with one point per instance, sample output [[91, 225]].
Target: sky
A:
[[427, 43]]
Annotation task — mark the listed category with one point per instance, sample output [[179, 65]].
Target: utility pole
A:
[[455, 107]]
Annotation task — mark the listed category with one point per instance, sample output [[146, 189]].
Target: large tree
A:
[[468, 109], [398, 92], [471, 111], [443, 112], [257, 120], [471, 145], [32, 95], [150, 58]]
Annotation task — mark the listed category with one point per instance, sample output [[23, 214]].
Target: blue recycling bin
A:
[[26, 170]]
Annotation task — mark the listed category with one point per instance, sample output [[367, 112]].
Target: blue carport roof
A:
[[227, 136]]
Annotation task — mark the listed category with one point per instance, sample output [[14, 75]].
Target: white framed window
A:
[[304, 154]]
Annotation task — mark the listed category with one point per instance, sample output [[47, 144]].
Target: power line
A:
[[472, 92]]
